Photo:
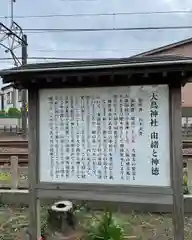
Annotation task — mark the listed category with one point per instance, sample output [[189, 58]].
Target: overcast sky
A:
[[96, 44]]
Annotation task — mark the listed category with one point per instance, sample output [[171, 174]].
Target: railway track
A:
[[14, 143], [14, 147], [187, 143], [24, 143], [6, 147]]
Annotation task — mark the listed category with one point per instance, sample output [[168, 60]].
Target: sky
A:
[[98, 44]]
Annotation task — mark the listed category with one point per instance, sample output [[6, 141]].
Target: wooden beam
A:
[[34, 205], [177, 164], [49, 79], [164, 74], [146, 75], [64, 79]]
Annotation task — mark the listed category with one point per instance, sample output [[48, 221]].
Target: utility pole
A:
[[12, 3], [12, 38], [24, 91]]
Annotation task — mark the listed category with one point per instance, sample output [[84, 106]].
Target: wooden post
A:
[[177, 164], [14, 172], [34, 203]]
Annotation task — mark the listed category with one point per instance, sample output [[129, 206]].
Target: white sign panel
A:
[[113, 135]]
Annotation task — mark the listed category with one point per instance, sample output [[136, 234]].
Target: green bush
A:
[[104, 228], [14, 112], [185, 185], [43, 220], [5, 177]]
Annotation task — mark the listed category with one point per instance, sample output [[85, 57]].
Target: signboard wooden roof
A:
[[57, 114], [77, 73]]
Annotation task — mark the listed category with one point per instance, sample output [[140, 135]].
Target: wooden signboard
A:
[[109, 144], [117, 143]]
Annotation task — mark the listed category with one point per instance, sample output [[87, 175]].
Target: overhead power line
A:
[[78, 0], [99, 14], [49, 58], [11, 39], [58, 30], [85, 50]]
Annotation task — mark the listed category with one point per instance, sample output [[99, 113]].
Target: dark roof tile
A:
[[98, 62]]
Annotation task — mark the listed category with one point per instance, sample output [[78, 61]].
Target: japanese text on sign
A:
[[117, 135]]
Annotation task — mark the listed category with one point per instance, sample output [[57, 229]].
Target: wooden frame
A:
[[34, 203], [177, 163], [136, 194]]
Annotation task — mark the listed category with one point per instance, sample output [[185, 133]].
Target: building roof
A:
[[164, 48], [7, 87]]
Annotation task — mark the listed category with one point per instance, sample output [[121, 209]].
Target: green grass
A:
[[5, 177], [136, 226]]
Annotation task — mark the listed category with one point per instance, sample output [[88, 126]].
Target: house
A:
[[10, 97], [182, 48]]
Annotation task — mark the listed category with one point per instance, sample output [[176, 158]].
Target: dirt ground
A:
[[136, 226], [12, 220]]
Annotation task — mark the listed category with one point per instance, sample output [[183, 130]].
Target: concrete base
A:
[[21, 197]]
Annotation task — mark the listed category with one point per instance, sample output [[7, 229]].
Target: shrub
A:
[[44, 224], [185, 185], [104, 228], [5, 177], [14, 112]]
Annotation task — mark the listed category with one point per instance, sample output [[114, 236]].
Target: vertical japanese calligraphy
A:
[[116, 135], [154, 121], [51, 137]]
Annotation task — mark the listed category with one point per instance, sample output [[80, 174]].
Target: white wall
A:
[[7, 122], [5, 92], [15, 99]]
